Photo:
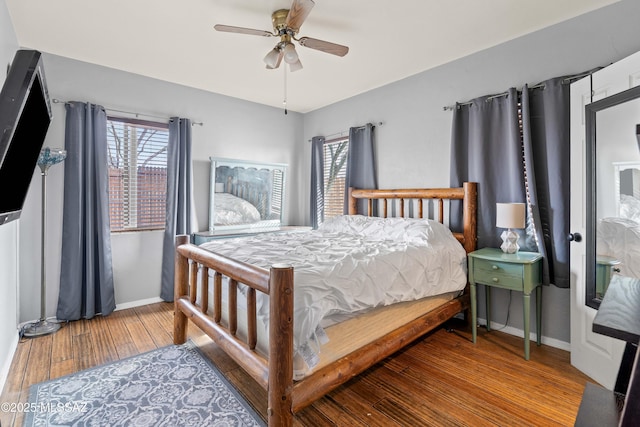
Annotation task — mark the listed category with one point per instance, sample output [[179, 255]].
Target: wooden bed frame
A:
[[275, 373]]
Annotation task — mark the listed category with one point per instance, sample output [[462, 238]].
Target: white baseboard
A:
[[4, 369], [138, 303], [551, 342]]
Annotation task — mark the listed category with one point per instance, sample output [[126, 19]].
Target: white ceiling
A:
[[175, 41]]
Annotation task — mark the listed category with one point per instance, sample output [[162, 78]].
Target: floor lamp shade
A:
[[48, 157], [510, 215]]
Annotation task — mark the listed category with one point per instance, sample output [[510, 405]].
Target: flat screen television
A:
[[25, 115]]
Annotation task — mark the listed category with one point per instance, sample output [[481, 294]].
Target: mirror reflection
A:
[[617, 169], [245, 194]]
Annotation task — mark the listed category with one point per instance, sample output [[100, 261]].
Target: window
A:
[[276, 198], [137, 174], [335, 173]]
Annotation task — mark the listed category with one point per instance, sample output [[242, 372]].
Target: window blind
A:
[[277, 196], [335, 173], [137, 174]]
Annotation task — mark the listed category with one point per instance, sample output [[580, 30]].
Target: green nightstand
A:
[[605, 267], [521, 271]]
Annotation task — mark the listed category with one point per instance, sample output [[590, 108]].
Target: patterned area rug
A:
[[170, 386]]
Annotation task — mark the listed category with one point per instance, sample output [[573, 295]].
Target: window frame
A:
[[134, 197]]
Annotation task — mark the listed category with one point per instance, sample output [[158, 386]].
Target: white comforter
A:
[[619, 238], [353, 263]]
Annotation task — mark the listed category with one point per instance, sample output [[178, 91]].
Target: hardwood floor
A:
[[441, 380]]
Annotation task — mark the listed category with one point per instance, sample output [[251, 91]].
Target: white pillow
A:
[[399, 229], [230, 210]]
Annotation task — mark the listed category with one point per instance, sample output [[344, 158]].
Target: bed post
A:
[[179, 290], [279, 411], [353, 203], [469, 215]]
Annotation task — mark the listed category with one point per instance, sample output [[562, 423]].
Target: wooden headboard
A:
[[468, 194]]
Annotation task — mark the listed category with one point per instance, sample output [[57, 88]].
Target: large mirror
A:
[[613, 191], [245, 194]]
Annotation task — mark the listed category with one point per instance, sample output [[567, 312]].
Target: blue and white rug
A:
[[170, 386]]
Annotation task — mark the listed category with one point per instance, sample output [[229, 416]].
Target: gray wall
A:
[[413, 144], [8, 232], [232, 128]]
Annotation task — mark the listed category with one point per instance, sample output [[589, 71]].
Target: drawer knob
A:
[[495, 279], [495, 267]]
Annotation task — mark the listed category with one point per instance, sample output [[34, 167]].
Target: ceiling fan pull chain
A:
[[285, 90]]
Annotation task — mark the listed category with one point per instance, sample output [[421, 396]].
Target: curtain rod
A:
[[565, 80], [581, 75], [344, 133], [489, 98], [57, 101]]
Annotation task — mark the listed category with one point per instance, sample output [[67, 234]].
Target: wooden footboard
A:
[[275, 373]]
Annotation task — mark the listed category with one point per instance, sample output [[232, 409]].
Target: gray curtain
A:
[[488, 147], [86, 272], [317, 181], [179, 184], [546, 135], [361, 163]]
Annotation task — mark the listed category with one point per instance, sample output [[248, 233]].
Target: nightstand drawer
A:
[[500, 274]]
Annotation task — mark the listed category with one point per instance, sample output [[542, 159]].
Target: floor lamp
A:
[[48, 157]]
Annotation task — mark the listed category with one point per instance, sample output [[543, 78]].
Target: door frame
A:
[[596, 355]]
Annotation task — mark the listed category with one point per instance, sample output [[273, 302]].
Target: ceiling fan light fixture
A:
[[271, 59], [290, 54], [295, 66]]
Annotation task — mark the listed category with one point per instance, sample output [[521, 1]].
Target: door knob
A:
[[575, 237]]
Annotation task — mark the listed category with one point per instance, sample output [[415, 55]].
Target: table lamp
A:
[[509, 216]]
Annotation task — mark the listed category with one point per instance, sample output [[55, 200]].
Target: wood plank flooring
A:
[[441, 380]]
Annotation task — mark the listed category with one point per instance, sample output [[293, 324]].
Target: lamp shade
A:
[[510, 215], [272, 58], [290, 54], [49, 157], [295, 66]]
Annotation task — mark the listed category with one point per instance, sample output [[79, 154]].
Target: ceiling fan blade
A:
[[328, 47], [273, 59], [299, 11], [241, 30]]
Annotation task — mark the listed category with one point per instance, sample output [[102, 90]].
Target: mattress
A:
[[349, 266], [341, 337]]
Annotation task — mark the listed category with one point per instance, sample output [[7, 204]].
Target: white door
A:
[[596, 355]]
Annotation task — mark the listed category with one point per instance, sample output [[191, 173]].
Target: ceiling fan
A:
[[286, 24]]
